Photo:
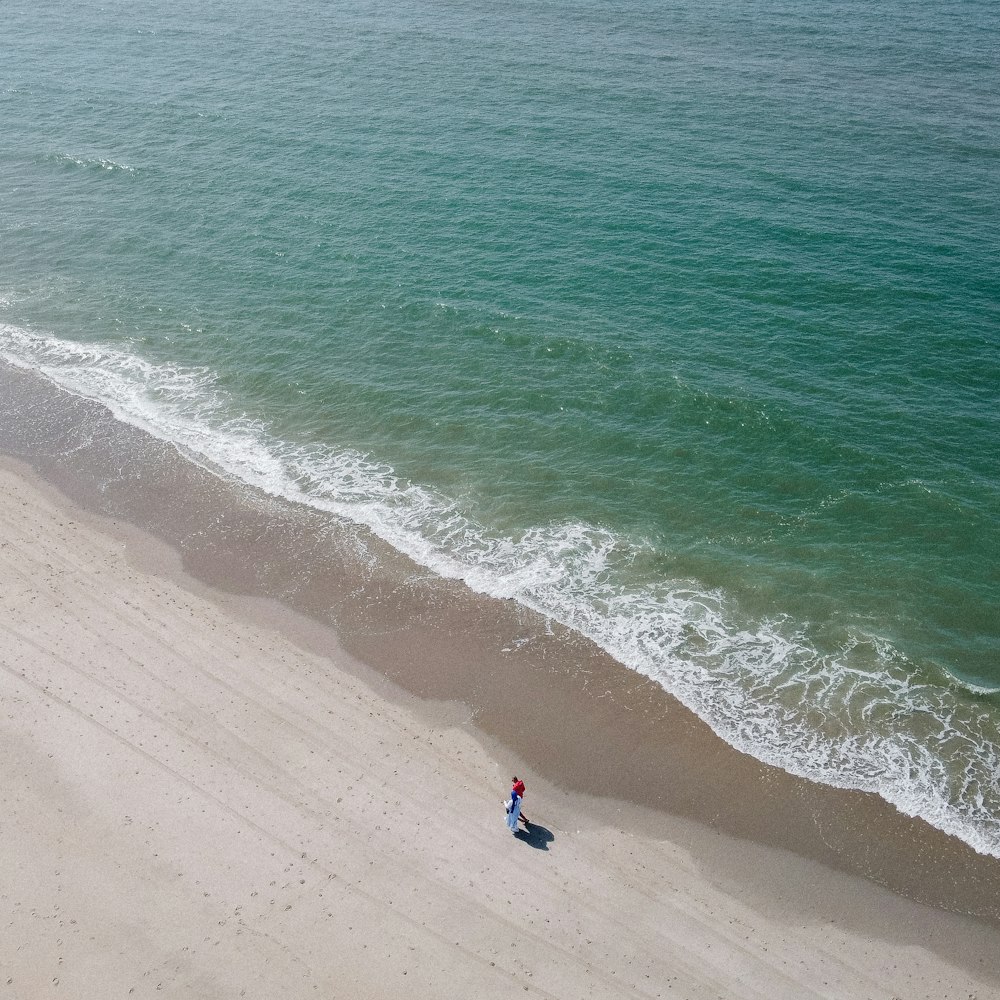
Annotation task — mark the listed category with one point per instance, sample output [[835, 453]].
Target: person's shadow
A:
[[536, 836]]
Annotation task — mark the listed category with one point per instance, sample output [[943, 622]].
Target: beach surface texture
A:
[[197, 803], [395, 398]]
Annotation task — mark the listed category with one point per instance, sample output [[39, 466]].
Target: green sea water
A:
[[679, 323]]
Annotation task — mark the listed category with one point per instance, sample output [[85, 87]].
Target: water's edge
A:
[[759, 686], [584, 721]]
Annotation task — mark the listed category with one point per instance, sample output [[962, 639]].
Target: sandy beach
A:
[[397, 398], [197, 802]]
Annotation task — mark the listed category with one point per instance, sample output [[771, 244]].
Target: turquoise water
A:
[[679, 323]]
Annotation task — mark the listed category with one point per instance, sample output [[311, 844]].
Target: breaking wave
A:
[[860, 717], [95, 163]]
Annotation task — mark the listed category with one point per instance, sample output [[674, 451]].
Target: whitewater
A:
[[862, 716]]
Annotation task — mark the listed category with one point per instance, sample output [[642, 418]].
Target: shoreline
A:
[[405, 644], [584, 721], [224, 863]]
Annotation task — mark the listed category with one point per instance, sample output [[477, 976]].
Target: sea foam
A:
[[95, 163], [855, 718]]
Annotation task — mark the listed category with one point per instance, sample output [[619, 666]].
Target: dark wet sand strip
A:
[[579, 721]]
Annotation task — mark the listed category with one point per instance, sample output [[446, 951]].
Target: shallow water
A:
[[679, 325]]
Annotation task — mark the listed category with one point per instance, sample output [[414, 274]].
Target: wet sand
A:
[[223, 792]]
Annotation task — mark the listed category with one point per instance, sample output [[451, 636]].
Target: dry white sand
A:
[[192, 805]]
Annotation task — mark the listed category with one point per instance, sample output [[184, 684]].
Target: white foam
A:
[[95, 162], [974, 688], [857, 719]]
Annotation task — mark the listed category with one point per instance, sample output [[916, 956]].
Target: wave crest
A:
[[857, 718], [95, 163]]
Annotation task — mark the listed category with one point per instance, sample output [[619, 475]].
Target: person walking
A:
[[514, 813], [513, 807]]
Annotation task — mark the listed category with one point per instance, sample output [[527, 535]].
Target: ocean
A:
[[678, 323]]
